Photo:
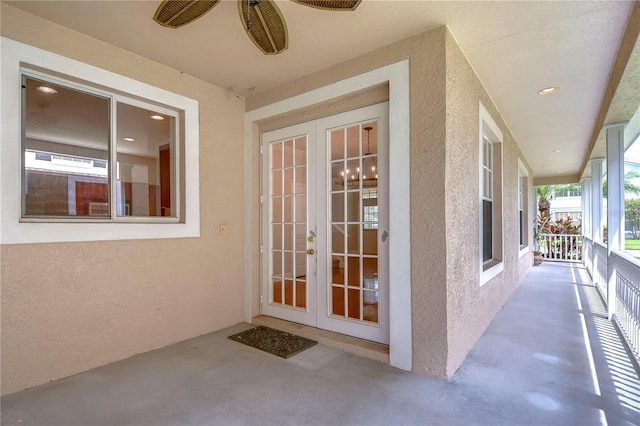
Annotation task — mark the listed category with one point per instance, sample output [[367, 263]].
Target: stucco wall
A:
[[426, 54], [69, 307], [450, 310], [470, 307]]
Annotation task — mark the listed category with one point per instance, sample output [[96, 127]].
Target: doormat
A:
[[275, 342]]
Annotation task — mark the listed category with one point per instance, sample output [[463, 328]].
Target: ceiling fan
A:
[[262, 20]]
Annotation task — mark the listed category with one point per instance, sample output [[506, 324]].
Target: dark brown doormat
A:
[[276, 342]]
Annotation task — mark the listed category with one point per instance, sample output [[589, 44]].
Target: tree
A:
[[632, 217], [629, 188], [545, 195]]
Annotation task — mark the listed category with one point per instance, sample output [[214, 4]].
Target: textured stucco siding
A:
[[470, 307], [426, 54], [70, 307]]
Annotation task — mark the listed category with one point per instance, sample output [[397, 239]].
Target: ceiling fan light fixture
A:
[[335, 5], [264, 24], [176, 13], [548, 90], [47, 89]]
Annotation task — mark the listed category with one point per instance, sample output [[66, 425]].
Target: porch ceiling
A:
[[625, 103], [516, 48]]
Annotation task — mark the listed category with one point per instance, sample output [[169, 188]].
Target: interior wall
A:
[[471, 307], [426, 54], [70, 307]]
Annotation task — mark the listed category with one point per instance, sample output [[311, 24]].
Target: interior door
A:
[[325, 222]]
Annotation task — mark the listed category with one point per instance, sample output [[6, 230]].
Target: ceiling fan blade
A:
[[176, 13], [264, 24], [336, 5]]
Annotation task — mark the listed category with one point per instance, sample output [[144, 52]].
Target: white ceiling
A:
[[516, 48]]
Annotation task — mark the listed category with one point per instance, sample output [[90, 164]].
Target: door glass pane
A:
[[301, 179], [288, 153], [337, 301], [276, 210], [338, 175], [337, 145], [354, 199], [354, 303], [288, 237], [301, 151], [337, 207], [288, 209], [276, 156], [288, 292], [352, 174], [337, 268], [353, 142], [354, 272], [370, 306], [337, 238], [353, 239], [301, 208], [277, 263], [289, 183], [276, 238], [301, 294], [277, 290], [277, 182], [288, 223], [353, 206]]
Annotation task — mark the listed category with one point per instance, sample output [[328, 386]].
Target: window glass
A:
[[145, 162], [65, 151]]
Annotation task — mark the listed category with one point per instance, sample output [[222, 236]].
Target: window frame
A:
[[523, 208], [114, 99], [489, 129], [16, 59]]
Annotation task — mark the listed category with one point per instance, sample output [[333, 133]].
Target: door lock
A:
[[311, 251], [311, 239]]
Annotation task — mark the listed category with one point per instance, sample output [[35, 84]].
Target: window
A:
[[490, 195], [574, 216], [523, 208], [69, 146], [65, 157], [370, 208], [487, 199]]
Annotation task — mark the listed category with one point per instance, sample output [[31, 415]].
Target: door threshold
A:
[[352, 345]]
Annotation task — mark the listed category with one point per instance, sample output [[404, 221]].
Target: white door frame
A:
[[317, 190], [397, 76]]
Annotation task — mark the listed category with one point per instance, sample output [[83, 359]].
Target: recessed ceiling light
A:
[[548, 90], [128, 139], [47, 89], [557, 150], [157, 117]]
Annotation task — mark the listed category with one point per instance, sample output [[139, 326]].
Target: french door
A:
[[325, 222]]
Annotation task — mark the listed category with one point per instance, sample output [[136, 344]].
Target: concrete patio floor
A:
[[549, 357]]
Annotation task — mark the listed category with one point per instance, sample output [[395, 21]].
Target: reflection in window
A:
[[67, 149]]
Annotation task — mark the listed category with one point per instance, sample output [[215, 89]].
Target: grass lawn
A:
[[632, 244]]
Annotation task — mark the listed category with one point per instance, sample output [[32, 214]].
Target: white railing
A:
[[587, 254], [600, 268], [561, 247], [627, 303]]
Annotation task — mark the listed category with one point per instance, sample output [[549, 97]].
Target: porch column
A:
[[596, 199], [586, 208], [615, 206]]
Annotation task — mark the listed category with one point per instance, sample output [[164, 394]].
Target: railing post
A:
[[615, 206]]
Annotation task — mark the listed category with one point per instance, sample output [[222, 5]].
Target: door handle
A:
[[311, 251]]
